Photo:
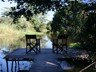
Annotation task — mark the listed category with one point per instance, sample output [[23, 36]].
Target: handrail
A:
[[87, 67]]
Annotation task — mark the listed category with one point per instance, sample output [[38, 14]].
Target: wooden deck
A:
[[46, 61]]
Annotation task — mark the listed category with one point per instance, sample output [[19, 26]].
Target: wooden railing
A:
[[82, 70]]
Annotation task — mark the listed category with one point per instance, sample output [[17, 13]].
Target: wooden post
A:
[[12, 67], [7, 65], [18, 65], [15, 66]]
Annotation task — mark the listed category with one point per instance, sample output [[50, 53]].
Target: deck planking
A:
[[46, 61]]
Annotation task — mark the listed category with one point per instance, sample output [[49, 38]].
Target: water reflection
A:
[[24, 65], [48, 43]]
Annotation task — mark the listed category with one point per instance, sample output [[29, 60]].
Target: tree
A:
[[70, 19], [88, 34], [38, 22], [30, 7]]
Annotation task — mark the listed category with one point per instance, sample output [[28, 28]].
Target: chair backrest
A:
[[62, 39], [30, 36], [30, 41], [53, 36], [64, 36]]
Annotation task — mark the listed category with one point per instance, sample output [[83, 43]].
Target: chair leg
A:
[[31, 50], [53, 49], [38, 48], [34, 50]]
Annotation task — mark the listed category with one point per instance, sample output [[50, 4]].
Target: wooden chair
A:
[[62, 43], [32, 44], [59, 43]]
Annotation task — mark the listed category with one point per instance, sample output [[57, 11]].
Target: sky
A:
[[50, 15], [6, 4]]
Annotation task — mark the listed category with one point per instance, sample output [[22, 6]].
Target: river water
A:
[[25, 64]]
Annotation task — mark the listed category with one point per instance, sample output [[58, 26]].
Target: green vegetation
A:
[[88, 34], [78, 20], [71, 17], [75, 45], [12, 35]]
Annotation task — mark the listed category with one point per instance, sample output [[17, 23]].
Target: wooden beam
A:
[[87, 67]]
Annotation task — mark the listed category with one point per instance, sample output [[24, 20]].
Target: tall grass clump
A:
[[12, 35]]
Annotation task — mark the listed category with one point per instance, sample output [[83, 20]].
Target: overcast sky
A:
[[4, 5]]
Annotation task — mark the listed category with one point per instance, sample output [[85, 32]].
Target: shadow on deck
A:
[[46, 61]]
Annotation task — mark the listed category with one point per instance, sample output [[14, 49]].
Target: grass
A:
[[75, 45], [12, 37], [8, 35]]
